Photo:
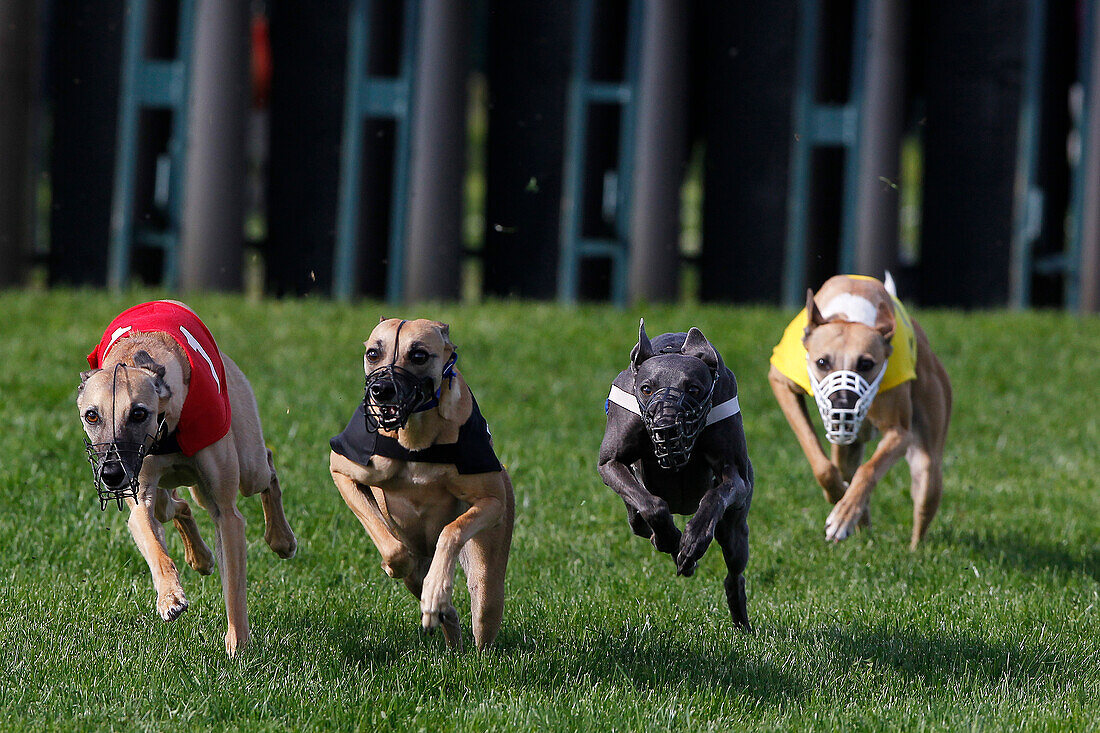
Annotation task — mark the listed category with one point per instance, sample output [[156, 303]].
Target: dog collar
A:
[[629, 402], [168, 443], [449, 375]]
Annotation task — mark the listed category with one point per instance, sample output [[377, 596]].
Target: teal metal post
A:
[[583, 92], [817, 125], [1087, 293], [150, 84], [370, 96], [1082, 267], [1028, 206]]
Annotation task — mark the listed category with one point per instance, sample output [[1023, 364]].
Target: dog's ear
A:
[[382, 319], [813, 313], [84, 377], [884, 321], [696, 345], [642, 350], [450, 399], [144, 361], [450, 394], [444, 331]]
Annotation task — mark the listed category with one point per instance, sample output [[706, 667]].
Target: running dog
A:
[[675, 443], [416, 466], [855, 340], [163, 407]]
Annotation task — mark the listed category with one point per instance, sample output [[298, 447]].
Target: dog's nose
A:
[[113, 474], [844, 399], [383, 391]]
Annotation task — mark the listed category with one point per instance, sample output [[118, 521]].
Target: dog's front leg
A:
[[732, 491], [148, 534], [798, 417], [485, 494], [844, 518], [653, 510]]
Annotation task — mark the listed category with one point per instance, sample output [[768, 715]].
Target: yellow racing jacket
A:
[[789, 355]]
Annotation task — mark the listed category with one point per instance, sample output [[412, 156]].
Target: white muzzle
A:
[[842, 423]]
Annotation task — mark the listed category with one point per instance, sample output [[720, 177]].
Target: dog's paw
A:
[[171, 604], [281, 540], [235, 641], [200, 560], [692, 549], [435, 600], [669, 543], [844, 519], [667, 538]]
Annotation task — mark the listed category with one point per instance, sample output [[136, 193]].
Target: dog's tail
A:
[[888, 283]]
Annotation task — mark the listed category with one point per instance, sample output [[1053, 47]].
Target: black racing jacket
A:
[[472, 453]]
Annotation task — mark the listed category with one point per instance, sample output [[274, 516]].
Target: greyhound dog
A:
[[855, 340], [163, 407], [675, 443], [417, 468]]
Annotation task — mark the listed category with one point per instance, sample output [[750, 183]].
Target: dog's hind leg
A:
[[484, 560], [219, 485], [170, 506], [926, 489], [732, 535], [277, 532]]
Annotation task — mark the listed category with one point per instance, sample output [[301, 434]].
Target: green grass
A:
[[992, 624]]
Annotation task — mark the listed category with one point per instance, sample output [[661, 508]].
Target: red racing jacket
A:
[[206, 414]]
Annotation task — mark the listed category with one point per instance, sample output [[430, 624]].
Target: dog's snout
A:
[[845, 399], [114, 474], [666, 420], [383, 390]]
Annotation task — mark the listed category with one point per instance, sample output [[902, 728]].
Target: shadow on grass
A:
[[550, 659], [936, 658], [644, 658], [777, 666], [1027, 554]]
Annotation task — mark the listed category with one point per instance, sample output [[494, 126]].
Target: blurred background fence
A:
[[628, 150]]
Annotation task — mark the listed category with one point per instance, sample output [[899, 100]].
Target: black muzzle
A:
[[115, 469], [674, 419], [116, 465], [392, 394]]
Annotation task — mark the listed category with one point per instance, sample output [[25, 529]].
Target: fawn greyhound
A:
[[163, 407], [861, 355]]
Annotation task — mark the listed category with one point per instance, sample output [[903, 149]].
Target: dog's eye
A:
[[694, 391], [864, 364], [823, 363], [373, 354], [91, 416], [646, 390], [419, 356], [138, 414]]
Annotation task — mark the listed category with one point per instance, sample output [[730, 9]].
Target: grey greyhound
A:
[[675, 443]]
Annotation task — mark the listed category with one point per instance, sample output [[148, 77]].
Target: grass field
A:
[[993, 624]]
